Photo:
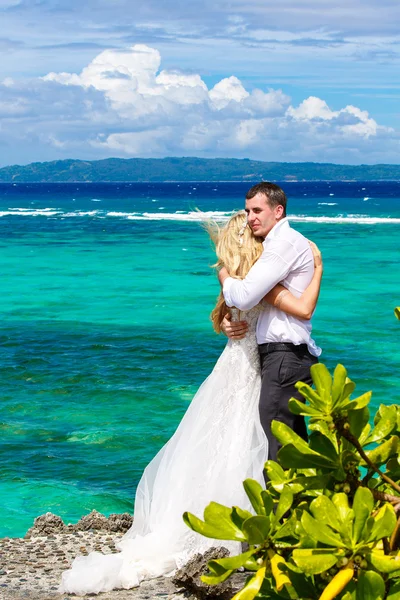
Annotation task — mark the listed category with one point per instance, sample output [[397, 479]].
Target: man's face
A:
[[260, 216]]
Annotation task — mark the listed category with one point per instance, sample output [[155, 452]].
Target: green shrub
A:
[[327, 525]]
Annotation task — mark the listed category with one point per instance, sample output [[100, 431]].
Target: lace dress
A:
[[218, 444]]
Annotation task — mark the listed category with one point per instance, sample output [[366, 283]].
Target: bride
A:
[[218, 444]]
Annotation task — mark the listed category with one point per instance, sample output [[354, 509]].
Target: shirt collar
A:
[[282, 224]]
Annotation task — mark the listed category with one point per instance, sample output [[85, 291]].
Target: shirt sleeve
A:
[[269, 270]]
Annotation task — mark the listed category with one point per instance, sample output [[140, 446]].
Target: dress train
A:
[[218, 444]]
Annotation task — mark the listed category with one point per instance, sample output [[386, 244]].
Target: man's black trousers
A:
[[282, 365]]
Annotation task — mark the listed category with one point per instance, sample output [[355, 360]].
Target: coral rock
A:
[[120, 523], [188, 577], [46, 525]]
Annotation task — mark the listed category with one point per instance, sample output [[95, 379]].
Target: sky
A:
[[294, 80]]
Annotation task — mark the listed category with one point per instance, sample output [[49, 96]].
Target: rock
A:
[[49, 525], [120, 523], [188, 577], [93, 520], [46, 525]]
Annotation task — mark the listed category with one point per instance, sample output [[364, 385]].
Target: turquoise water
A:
[[105, 332]]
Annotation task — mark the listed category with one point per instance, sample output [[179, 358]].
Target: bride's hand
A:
[[234, 330], [316, 254]]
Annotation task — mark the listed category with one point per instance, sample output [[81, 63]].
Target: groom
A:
[[286, 349]]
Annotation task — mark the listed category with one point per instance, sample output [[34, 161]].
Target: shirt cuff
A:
[[226, 290]]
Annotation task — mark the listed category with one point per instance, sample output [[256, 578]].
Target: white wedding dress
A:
[[218, 444]]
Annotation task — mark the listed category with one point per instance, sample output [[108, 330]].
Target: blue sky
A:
[[289, 81]]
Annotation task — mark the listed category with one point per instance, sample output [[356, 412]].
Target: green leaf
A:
[[384, 523], [303, 585], [360, 402], [397, 312], [285, 435], [339, 380], [239, 516], [215, 579], [317, 482], [314, 561], [253, 490], [348, 389], [292, 457], [231, 563], [341, 502], [359, 421], [322, 426], [274, 472], [217, 574], [321, 532], [256, 529], [384, 451], [394, 590], [384, 564], [284, 504], [252, 586], [297, 407], [312, 397], [385, 424], [370, 586], [323, 382], [287, 530], [349, 592], [217, 523], [363, 505], [268, 502], [321, 444], [325, 511]]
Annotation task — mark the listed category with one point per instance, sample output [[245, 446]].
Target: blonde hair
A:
[[237, 250]]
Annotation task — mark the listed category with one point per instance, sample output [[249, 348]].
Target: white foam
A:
[[349, 219], [194, 216], [327, 203], [191, 216], [120, 214], [82, 213], [30, 213]]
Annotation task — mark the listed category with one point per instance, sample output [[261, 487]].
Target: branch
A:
[[395, 500], [394, 538], [353, 440]]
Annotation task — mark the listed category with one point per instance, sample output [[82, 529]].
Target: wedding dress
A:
[[218, 444]]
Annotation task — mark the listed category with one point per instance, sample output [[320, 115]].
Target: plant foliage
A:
[[326, 525]]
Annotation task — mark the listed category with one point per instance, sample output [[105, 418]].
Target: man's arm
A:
[[269, 270]]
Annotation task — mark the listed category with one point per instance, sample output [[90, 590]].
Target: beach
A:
[[106, 294]]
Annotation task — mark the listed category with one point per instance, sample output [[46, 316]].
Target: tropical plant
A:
[[327, 525]]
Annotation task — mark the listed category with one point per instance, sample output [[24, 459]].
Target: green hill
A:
[[191, 169]]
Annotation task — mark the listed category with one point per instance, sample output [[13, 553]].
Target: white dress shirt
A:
[[287, 258]]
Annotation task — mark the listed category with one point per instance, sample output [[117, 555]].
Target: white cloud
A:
[[312, 108], [350, 120], [122, 104], [227, 90]]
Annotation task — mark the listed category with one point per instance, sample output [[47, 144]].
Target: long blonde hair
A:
[[237, 250]]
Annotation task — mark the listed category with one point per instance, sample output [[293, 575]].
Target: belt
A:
[[282, 347]]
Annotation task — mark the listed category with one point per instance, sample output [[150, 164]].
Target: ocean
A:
[[106, 291]]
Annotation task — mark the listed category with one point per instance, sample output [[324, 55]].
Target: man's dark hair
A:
[[275, 196]]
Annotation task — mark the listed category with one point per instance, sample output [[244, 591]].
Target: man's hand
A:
[[235, 330], [222, 275]]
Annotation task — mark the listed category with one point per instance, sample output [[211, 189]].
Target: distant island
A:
[[191, 169]]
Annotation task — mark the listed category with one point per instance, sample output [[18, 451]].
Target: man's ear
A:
[[279, 210]]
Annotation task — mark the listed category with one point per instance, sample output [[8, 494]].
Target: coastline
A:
[[31, 567]]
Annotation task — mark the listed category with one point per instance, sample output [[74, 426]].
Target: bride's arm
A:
[[302, 307]]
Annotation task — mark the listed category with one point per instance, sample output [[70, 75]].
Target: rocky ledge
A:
[[31, 567]]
